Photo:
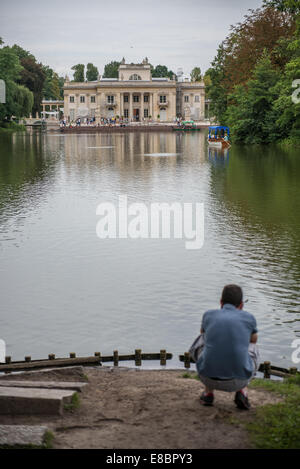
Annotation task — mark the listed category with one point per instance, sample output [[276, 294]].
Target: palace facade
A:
[[136, 96]]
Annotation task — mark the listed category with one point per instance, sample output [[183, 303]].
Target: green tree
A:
[[19, 100], [251, 114], [91, 72], [288, 110], [196, 74], [33, 77], [78, 73], [291, 6], [111, 70], [161, 71]]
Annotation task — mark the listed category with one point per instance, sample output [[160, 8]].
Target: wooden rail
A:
[[52, 362], [97, 359], [266, 368]]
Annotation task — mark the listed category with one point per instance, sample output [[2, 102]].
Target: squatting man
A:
[[226, 352]]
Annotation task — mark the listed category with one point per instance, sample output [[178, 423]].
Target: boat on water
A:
[[219, 136], [186, 126]]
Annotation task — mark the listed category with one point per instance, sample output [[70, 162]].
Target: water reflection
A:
[[64, 289], [217, 156]]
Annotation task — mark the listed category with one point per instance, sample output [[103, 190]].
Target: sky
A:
[[176, 33]]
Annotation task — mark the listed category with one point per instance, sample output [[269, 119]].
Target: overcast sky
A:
[[176, 33]]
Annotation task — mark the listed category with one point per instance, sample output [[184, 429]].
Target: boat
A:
[[219, 136], [186, 125]]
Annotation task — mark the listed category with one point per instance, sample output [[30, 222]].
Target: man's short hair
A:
[[232, 294]]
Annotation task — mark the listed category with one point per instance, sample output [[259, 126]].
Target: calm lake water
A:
[[63, 289]]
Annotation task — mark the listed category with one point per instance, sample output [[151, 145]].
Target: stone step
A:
[[22, 435], [29, 401], [68, 385]]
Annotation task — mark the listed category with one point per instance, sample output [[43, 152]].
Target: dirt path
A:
[[124, 408]]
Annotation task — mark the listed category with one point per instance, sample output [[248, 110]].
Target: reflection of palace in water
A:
[[132, 150]]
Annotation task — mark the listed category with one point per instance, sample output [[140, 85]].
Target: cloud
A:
[[172, 32]]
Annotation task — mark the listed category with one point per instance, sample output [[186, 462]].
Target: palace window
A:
[[110, 99], [72, 100], [126, 98], [126, 114], [135, 77], [197, 99], [146, 98], [163, 99], [82, 99], [186, 99], [136, 99], [93, 99], [146, 114]]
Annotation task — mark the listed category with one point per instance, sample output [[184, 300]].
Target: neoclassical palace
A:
[[135, 95]]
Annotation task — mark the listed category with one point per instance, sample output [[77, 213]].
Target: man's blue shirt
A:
[[227, 333]]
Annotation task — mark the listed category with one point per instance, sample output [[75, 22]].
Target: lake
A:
[[65, 290]]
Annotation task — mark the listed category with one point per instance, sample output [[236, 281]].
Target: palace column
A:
[[121, 105], [142, 107], [151, 105], [131, 106]]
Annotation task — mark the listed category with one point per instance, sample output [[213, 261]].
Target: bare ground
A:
[[128, 408]]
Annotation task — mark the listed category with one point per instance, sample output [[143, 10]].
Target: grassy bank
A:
[[277, 426], [290, 142], [8, 127]]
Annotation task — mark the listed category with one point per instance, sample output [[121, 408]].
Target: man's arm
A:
[[253, 338]]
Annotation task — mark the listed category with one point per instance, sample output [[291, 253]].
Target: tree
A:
[[251, 114], [19, 100], [78, 73], [262, 29], [291, 6], [161, 71], [111, 70], [33, 77], [196, 74], [91, 72], [52, 87]]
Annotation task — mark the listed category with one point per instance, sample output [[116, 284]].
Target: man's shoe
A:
[[242, 401], [207, 399]]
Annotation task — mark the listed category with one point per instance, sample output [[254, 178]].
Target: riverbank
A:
[[134, 408], [11, 127], [128, 128]]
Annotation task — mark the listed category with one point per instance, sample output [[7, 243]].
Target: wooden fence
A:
[[138, 357]]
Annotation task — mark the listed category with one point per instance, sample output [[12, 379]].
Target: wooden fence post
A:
[[51, 356], [116, 357], [138, 357], [267, 370], [163, 357], [27, 359], [187, 360]]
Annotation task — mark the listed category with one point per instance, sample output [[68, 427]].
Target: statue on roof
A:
[[123, 61]]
